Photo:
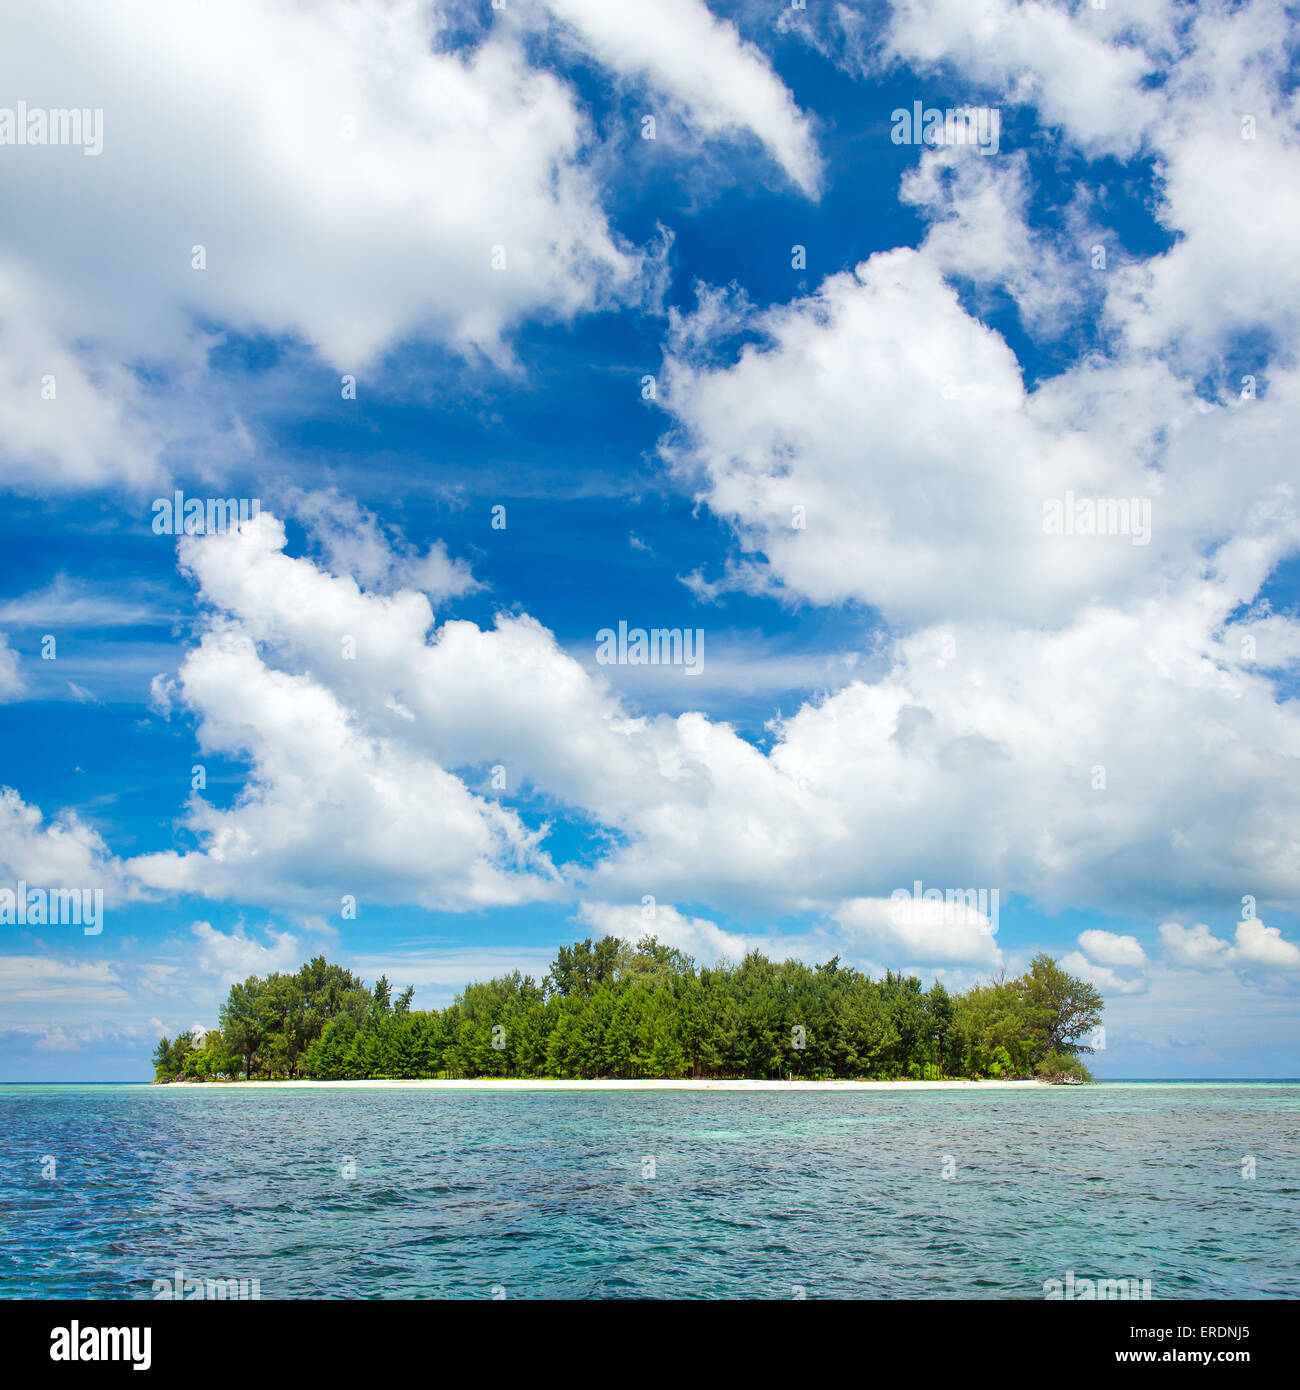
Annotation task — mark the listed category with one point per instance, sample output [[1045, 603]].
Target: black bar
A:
[[213, 1338]]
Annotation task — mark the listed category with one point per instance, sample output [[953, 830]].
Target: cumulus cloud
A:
[[1196, 947], [1049, 766], [1109, 948], [64, 852], [71, 415], [1076, 721], [1220, 124], [332, 812], [1114, 963], [949, 933], [1034, 54], [978, 231], [875, 434], [1265, 947], [874, 442], [698, 937], [1108, 980], [236, 955], [61, 1039], [1225, 128], [1255, 948], [294, 136], [346, 177], [960, 453]]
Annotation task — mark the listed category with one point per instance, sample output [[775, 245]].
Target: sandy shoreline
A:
[[500, 1084]]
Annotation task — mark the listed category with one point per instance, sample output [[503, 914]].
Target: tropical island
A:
[[646, 1011]]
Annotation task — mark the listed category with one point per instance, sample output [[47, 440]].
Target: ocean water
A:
[[403, 1194]]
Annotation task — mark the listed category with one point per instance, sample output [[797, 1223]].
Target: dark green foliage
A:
[[169, 1057], [610, 1009], [194, 1061], [1062, 1068], [1064, 1009]]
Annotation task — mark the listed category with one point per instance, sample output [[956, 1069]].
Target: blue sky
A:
[[875, 364]]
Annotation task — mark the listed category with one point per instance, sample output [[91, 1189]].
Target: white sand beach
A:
[[512, 1084]]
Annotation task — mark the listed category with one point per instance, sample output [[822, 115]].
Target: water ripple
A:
[[399, 1194]]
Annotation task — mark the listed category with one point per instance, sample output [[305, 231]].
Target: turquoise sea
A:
[[402, 1193]]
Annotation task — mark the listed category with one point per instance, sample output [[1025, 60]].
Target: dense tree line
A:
[[610, 1009]]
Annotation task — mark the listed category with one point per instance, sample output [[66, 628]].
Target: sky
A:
[[959, 453]]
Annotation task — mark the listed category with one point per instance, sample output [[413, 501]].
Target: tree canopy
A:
[[613, 1009]]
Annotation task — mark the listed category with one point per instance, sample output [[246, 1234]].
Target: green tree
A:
[[612, 1009], [243, 1020], [1063, 1009], [939, 1013]]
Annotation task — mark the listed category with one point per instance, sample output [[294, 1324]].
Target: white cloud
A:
[[1264, 947], [1115, 964], [1220, 124], [1017, 665], [233, 128], [869, 933], [355, 543], [63, 853], [1193, 947], [1108, 948], [74, 603], [61, 1039], [1109, 981], [50, 979], [979, 230], [948, 933], [71, 416], [896, 426], [162, 692], [878, 441], [440, 973], [724, 85], [1048, 765], [332, 811], [1226, 129], [236, 955], [875, 443], [698, 937], [1031, 54], [1257, 948], [972, 761], [159, 977], [354, 181]]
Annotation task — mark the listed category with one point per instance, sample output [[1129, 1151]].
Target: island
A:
[[634, 1012]]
